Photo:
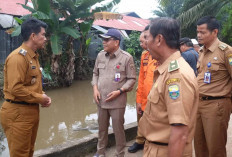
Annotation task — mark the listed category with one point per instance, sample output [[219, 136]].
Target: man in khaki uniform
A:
[[169, 118], [145, 82], [23, 91], [113, 76], [214, 80]]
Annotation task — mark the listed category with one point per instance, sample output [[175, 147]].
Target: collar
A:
[[31, 53], [213, 46], [115, 54], [164, 66]]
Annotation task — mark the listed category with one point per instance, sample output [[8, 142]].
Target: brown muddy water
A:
[[72, 115]]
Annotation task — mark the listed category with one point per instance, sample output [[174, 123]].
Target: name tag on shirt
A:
[[207, 77], [117, 77]]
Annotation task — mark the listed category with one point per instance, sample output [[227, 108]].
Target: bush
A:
[[132, 45]]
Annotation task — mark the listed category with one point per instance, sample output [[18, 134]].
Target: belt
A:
[[159, 143], [20, 102], [211, 97]]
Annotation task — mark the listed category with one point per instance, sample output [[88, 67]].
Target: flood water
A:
[[72, 115]]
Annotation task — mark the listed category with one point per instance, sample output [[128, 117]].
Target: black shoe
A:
[[135, 147]]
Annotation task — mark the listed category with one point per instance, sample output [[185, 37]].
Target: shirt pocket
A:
[[153, 106], [214, 67], [101, 67], [33, 76], [121, 70]]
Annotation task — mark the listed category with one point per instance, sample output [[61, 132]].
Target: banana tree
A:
[[67, 20]]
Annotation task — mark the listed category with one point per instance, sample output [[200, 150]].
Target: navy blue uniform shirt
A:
[[191, 57]]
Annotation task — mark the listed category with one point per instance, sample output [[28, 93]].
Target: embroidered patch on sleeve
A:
[[172, 81], [174, 91], [230, 60]]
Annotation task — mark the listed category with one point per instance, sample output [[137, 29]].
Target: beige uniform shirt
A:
[[219, 55], [105, 69], [22, 76], [172, 99]]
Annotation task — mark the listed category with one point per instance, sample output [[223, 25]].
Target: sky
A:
[[143, 8]]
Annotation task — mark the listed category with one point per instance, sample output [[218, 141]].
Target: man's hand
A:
[[112, 95], [96, 94], [46, 101], [138, 108]]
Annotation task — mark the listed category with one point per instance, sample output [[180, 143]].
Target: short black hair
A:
[[189, 44], [169, 28], [187, 41], [31, 25], [146, 28], [211, 21]]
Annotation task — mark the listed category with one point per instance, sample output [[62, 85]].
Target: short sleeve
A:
[[179, 99]]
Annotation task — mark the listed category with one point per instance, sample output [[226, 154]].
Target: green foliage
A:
[[54, 44], [200, 9], [132, 45], [17, 31], [67, 20], [187, 12], [169, 8], [227, 24], [70, 10], [70, 31]]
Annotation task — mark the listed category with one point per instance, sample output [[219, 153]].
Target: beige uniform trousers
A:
[[117, 116], [139, 138], [154, 150], [211, 129], [20, 124]]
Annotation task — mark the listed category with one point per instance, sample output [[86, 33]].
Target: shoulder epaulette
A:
[[126, 53], [222, 47], [173, 65], [22, 52]]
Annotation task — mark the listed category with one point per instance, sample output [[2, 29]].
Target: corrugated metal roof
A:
[[11, 7], [127, 23]]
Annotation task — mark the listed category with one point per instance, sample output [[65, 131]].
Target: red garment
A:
[[145, 82]]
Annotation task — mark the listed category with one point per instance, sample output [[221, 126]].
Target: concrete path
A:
[[110, 151]]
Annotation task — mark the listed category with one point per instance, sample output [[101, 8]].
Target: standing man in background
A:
[[23, 91], [189, 53], [113, 76], [215, 85], [169, 118], [196, 45], [145, 82]]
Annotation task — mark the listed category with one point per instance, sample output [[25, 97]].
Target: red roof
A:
[[11, 7], [127, 23]]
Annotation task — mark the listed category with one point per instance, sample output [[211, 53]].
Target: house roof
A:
[[127, 23], [133, 14], [11, 7]]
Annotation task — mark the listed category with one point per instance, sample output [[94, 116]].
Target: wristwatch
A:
[[120, 91]]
